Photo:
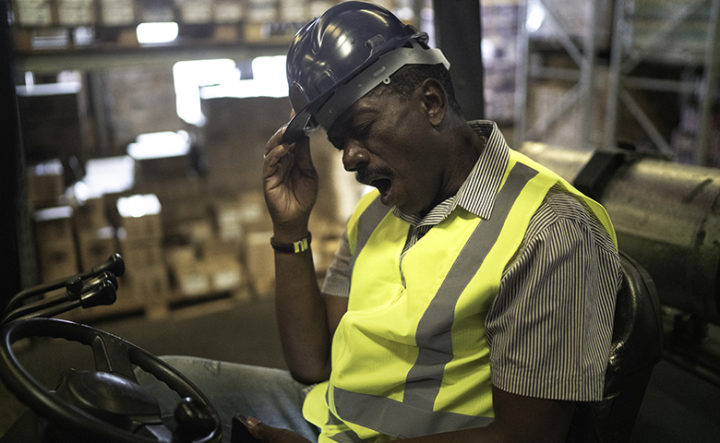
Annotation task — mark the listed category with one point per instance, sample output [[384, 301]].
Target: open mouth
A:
[[382, 184]]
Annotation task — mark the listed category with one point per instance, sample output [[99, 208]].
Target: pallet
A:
[[173, 306], [188, 307]]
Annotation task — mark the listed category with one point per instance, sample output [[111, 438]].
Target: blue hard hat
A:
[[337, 58]]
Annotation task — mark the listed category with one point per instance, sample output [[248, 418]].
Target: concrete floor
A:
[[678, 406]]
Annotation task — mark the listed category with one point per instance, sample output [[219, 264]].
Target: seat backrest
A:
[[636, 348]]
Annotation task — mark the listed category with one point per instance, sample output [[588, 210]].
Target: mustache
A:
[[365, 175]]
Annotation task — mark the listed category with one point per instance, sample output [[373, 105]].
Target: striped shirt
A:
[[550, 326]]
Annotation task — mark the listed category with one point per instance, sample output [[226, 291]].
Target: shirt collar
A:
[[477, 193]]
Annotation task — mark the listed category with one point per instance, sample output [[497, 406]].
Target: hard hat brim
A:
[[298, 127]]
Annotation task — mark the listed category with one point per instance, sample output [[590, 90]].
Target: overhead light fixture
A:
[[156, 32]]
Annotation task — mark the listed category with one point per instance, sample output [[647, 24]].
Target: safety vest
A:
[[410, 356]]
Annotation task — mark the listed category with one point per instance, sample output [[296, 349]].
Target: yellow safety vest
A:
[[410, 356]]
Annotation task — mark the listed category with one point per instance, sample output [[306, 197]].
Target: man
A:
[[473, 295]]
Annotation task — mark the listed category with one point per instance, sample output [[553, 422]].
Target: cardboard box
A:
[[53, 116], [45, 183], [181, 254], [196, 11], [160, 155], [155, 10], [91, 215], [140, 217], [216, 247], [247, 212], [149, 286], [260, 262], [227, 33], [234, 152], [57, 260], [222, 261], [142, 254], [33, 12], [96, 246], [54, 225], [109, 175], [117, 12], [228, 11], [75, 12], [191, 279], [294, 11], [261, 11], [225, 275], [188, 277]]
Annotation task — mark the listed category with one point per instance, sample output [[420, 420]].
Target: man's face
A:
[[388, 141]]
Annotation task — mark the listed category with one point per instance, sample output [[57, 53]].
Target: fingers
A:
[[274, 140], [256, 428], [270, 434], [275, 151]]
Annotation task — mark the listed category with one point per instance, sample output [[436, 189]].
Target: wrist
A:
[[288, 233]]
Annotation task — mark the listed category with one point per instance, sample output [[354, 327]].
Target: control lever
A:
[[114, 265], [100, 290]]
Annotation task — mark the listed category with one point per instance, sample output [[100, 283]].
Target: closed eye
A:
[[360, 132], [338, 141]]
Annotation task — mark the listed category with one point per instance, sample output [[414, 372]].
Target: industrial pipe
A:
[[666, 214]]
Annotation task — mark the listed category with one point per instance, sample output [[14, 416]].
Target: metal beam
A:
[[15, 221], [458, 32]]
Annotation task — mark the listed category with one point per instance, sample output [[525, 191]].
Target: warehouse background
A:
[[150, 145]]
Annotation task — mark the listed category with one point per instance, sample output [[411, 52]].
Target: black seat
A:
[[636, 348]]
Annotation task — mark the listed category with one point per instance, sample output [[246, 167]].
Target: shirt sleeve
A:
[[550, 327], [337, 277]]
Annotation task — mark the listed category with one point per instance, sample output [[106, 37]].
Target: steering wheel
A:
[[107, 404]]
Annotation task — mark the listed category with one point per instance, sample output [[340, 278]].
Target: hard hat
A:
[[336, 59]]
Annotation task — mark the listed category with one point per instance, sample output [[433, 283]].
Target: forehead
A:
[[373, 103]]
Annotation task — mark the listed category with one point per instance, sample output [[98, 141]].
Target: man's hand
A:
[[290, 183], [269, 434]]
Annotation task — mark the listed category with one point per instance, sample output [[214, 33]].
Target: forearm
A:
[[301, 316]]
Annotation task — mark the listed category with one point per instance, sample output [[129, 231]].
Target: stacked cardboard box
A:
[[55, 242], [76, 12], [97, 239], [45, 184], [260, 262], [117, 12], [33, 12], [54, 121], [234, 140], [207, 269], [141, 242], [164, 167], [244, 221]]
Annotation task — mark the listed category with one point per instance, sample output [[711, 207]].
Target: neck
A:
[[466, 147]]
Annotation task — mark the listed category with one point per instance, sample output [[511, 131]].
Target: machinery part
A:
[[667, 217], [339, 57], [106, 404], [115, 266]]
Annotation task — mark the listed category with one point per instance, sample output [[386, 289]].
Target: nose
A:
[[354, 155]]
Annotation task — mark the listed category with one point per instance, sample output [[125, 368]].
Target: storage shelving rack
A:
[[661, 45]]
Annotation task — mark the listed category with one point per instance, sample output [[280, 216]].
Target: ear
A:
[[433, 100]]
